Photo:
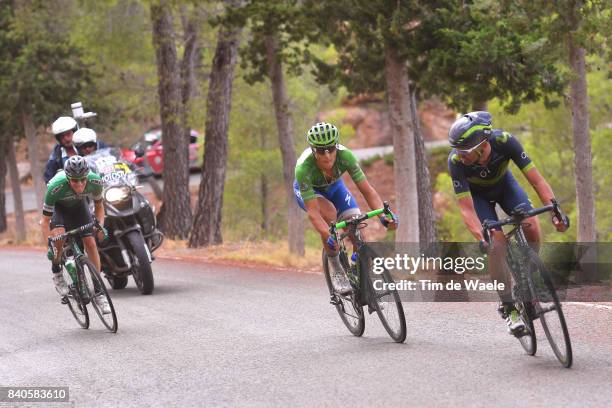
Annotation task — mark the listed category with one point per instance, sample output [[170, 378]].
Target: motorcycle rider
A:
[[63, 129]]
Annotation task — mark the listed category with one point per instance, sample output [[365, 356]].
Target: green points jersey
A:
[[309, 177], [60, 192]]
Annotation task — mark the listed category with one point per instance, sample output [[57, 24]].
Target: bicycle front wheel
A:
[[75, 303], [385, 298], [96, 289], [548, 308], [528, 340], [348, 307]]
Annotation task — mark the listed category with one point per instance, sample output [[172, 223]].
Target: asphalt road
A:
[[225, 336]]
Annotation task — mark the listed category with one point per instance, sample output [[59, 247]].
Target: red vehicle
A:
[[153, 151]]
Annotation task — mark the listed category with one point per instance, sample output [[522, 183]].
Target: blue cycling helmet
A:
[[470, 130]]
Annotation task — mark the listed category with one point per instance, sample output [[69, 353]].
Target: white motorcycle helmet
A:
[[61, 125], [84, 136]]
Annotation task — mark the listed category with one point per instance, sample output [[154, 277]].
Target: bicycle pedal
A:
[[334, 300], [64, 300]]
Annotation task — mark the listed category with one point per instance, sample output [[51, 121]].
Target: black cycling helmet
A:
[[76, 167], [470, 130]]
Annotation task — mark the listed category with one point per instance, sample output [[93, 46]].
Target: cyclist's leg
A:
[[79, 216], [344, 203], [485, 209], [327, 209], [514, 196], [57, 228]]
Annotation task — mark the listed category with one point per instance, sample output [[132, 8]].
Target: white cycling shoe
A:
[[102, 303], [60, 284], [340, 282]]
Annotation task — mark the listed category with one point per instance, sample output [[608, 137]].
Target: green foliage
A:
[[42, 71], [487, 50]]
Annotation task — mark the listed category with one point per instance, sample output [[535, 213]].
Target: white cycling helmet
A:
[[84, 135]]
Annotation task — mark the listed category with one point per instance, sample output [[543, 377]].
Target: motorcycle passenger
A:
[[65, 208], [86, 141], [63, 129]]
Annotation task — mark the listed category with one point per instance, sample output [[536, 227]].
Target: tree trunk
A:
[[4, 141], [20, 229], [402, 120], [295, 217], [33, 154], [175, 213], [583, 164], [427, 215], [207, 221], [264, 189], [191, 26], [479, 105]]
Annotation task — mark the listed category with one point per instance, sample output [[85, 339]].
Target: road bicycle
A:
[[358, 268], [85, 283], [533, 291]]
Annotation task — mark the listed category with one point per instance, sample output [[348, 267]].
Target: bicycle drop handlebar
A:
[[518, 216], [359, 219], [75, 231]]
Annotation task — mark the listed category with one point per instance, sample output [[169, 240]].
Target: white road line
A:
[[593, 305]]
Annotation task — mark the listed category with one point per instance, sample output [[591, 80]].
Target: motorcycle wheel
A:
[[116, 282], [141, 270]]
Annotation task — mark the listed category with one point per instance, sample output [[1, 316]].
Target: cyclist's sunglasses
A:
[[326, 149], [78, 180], [465, 152]]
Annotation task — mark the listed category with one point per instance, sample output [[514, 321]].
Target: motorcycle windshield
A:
[[107, 163]]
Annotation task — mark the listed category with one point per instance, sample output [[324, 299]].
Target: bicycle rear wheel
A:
[[348, 307], [386, 301], [95, 287], [548, 308], [75, 303]]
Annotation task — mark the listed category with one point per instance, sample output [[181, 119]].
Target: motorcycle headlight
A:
[[115, 195]]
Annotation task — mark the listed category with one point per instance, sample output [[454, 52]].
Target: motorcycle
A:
[[130, 221]]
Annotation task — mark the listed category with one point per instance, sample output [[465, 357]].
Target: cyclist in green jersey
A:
[[320, 191], [65, 208]]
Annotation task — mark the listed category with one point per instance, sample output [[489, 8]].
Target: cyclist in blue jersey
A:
[[478, 166]]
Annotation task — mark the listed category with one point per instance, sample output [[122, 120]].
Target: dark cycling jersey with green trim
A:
[[477, 178], [309, 176], [60, 192]]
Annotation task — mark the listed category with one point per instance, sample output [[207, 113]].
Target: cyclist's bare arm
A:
[[370, 195], [45, 227], [540, 185], [99, 211], [466, 205]]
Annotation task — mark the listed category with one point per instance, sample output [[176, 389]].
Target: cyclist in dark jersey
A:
[[320, 191], [478, 166], [65, 208]]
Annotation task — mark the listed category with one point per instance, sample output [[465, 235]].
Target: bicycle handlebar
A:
[[517, 218], [356, 220], [75, 231]]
